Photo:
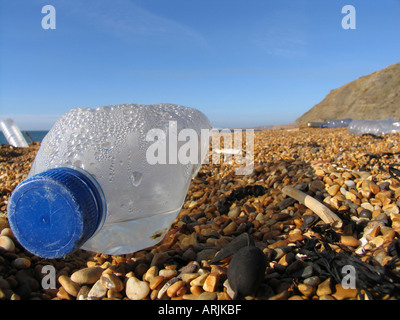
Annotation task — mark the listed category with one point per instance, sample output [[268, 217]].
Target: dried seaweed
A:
[[372, 279], [239, 194]]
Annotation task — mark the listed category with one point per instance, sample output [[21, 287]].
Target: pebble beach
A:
[[356, 177]]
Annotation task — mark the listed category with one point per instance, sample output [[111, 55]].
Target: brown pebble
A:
[[196, 290], [211, 282], [342, 293], [332, 190], [324, 288], [199, 281], [374, 188], [277, 244], [87, 275], [349, 241], [172, 290], [83, 293], [62, 294], [69, 286], [207, 296], [168, 274], [306, 290], [156, 281], [230, 228], [296, 297]]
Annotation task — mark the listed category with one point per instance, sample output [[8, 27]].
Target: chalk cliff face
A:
[[375, 96]]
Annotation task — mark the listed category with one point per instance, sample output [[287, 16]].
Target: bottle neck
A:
[[97, 191]]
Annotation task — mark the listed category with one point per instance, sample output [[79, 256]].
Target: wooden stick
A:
[[322, 211]]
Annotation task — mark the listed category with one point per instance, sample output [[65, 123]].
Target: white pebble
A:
[[136, 289], [7, 244]]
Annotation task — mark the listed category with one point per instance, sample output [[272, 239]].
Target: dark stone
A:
[[246, 271], [365, 214], [232, 247]]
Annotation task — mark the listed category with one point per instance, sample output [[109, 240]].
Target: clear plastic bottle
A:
[[374, 127], [94, 183], [12, 133]]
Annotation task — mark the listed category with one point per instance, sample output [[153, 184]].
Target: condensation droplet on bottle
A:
[[78, 163], [107, 145], [136, 178]]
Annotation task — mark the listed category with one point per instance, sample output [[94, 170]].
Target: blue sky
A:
[[241, 62]]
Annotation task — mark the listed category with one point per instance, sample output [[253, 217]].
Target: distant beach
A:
[[37, 136]]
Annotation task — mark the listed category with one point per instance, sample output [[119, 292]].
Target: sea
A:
[[37, 136]]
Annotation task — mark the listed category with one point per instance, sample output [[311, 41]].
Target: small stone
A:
[[286, 259], [173, 289], [277, 244], [324, 288], [295, 235], [136, 289], [207, 296], [211, 282], [62, 294], [350, 184], [83, 293], [390, 208], [69, 286], [317, 185], [332, 190], [296, 297], [7, 232], [368, 206], [374, 188], [206, 254], [7, 244], [342, 293], [349, 241], [22, 263], [150, 273], [98, 291], [198, 194], [312, 281], [230, 228], [327, 297], [234, 212], [168, 273], [351, 196], [199, 281], [159, 258], [188, 277], [156, 281], [112, 282], [306, 290], [87, 275], [377, 242], [196, 290], [189, 240], [114, 295], [365, 213]]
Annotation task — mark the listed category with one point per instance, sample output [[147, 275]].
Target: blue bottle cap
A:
[[55, 212]]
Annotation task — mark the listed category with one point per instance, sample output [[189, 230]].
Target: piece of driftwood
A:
[[322, 211]]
